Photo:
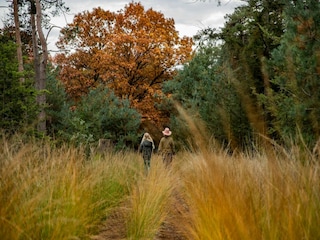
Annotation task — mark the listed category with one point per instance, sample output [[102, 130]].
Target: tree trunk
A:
[[18, 37], [40, 62]]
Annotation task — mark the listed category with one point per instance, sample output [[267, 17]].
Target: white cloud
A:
[[190, 16]]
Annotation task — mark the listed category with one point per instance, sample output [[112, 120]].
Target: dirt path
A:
[[171, 229]]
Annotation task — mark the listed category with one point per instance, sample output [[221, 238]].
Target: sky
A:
[[190, 16]]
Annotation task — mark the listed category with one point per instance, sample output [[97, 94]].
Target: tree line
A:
[[255, 80]]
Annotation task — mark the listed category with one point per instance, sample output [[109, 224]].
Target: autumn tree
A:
[[131, 52]]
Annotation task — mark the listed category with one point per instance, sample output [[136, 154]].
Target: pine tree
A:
[[295, 72]]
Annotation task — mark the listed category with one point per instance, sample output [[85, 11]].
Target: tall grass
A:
[[149, 202], [273, 193], [55, 193], [251, 198]]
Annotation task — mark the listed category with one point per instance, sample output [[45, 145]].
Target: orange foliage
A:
[[132, 52]]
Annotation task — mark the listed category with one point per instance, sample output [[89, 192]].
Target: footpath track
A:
[[171, 229]]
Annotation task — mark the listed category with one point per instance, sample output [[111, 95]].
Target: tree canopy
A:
[[131, 52]]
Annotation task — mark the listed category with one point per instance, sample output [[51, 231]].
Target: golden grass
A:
[[56, 193], [149, 202], [251, 198]]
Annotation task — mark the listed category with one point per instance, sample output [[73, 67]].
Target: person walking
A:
[[146, 148], [166, 147]]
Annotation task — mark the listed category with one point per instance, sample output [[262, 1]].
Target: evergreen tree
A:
[[58, 105], [17, 99], [100, 114], [202, 88], [294, 100], [250, 34]]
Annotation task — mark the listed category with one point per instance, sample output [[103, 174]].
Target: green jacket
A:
[[166, 145]]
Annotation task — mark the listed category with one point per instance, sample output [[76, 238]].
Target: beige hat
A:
[[166, 132]]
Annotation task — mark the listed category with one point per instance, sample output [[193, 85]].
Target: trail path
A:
[[114, 227]]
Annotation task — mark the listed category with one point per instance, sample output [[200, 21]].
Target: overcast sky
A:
[[190, 16]]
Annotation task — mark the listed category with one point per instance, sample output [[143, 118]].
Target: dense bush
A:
[[100, 114]]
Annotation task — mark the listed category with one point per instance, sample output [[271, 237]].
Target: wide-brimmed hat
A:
[[166, 132]]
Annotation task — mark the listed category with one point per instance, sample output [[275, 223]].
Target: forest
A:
[[243, 99], [117, 75]]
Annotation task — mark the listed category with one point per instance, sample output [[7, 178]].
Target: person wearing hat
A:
[[166, 147], [146, 148]]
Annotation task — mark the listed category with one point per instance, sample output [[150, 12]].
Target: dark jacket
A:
[[146, 148]]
